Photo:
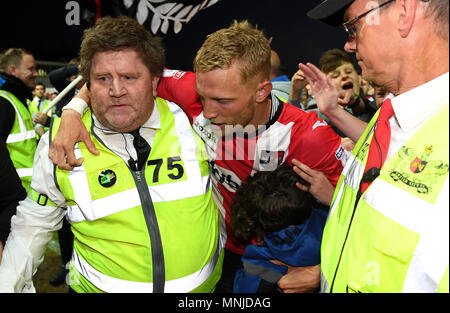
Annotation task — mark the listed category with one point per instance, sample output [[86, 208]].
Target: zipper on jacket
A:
[[159, 271], [153, 229]]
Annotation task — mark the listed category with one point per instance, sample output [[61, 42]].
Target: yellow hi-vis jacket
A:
[[33, 107], [156, 230], [21, 142], [391, 239]]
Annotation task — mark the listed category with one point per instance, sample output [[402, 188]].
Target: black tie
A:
[[39, 105], [142, 149]]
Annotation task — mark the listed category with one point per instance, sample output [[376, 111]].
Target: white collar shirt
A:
[[414, 108], [122, 143]]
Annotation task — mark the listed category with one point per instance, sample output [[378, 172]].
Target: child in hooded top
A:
[[280, 222]]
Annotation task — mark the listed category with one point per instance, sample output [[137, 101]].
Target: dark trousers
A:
[[65, 238], [231, 263]]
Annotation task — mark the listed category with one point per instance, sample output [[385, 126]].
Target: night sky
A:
[[40, 26]]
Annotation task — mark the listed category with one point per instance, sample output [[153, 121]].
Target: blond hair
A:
[[241, 43]]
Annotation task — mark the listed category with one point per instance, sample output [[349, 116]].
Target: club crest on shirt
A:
[[270, 160], [418, 171], [417, 165]]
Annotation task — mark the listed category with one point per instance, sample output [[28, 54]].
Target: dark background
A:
[[40, 27]]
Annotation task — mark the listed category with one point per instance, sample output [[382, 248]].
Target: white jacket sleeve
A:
[[32, 227]]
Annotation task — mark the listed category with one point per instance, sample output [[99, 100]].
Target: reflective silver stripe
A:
[[352, 172], [78, 179], [336, 200], [24, 134], [103, 207], [184, 189], [194, 186], [347, 168], [324, 285], [24, 172], [89, 210], [187, 142], [354, 175], [12, 138], [115, 285], [430, 221]]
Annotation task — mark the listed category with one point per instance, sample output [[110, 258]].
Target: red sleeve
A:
[[179, 87], [318, 146]]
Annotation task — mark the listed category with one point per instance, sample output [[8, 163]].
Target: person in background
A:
[[380, 95], [367, 87], [339, 66], [52, 96], [285, 222], [38, 104], [389, 220], [298, 85], [281, 84], [61, 78], [17, 75]]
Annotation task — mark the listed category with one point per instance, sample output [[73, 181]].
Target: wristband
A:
[[76, 104]]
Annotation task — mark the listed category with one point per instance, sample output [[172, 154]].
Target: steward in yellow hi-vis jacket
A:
[[154, 229], [378, 243], [388, 226], [141, 210], [39, 105], [21, 142]]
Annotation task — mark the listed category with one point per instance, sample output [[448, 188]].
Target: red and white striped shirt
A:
[[290, 133]]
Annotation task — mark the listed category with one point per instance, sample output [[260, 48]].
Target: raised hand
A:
[[323, 88], [298, 83]]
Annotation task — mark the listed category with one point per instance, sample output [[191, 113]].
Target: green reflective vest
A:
[[395, 238], [21, 142], [33, 107], [151, 231]]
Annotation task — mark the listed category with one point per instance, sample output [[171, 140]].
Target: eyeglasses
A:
[[350, 27]]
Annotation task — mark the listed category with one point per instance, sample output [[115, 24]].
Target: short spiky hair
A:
[[119, 33], [12, 56], [242, 43], [332, 59], [268, 202]]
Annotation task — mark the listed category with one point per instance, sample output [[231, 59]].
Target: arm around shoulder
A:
[[71, 130]]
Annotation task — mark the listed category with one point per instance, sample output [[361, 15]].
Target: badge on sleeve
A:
[[107, 178]]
